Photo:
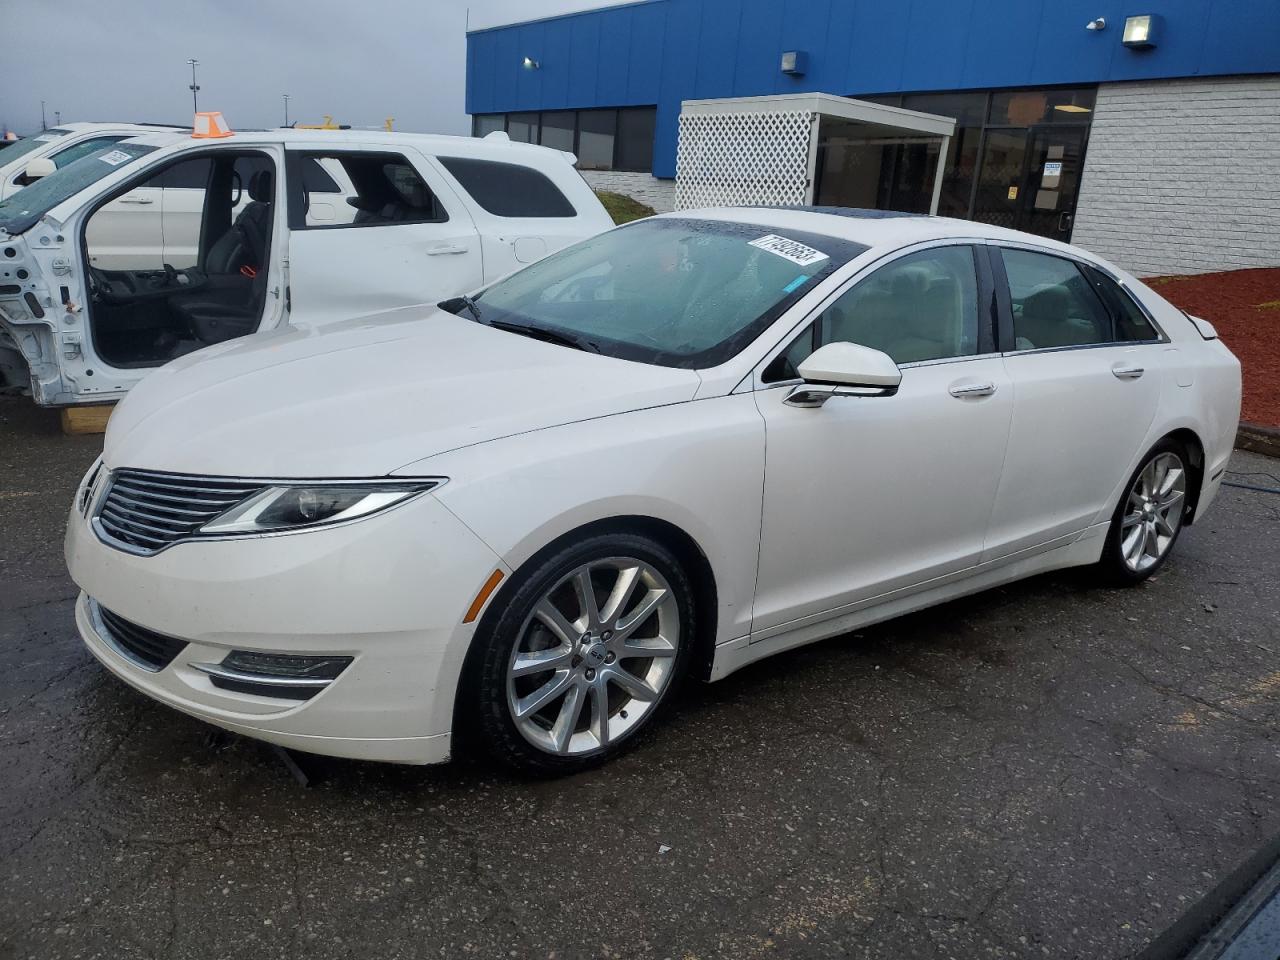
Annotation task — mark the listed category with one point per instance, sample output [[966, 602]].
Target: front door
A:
[[869, 495]]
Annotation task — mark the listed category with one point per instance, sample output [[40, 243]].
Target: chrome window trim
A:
[[753, 381], [1106, 272], [107, 476]]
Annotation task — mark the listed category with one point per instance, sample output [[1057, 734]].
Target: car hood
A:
[[365, 396]]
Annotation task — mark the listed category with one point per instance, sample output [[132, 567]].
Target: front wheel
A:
[[1149, 517], [583, 654]]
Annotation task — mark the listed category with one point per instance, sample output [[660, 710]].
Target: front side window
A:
[[673, 292], [386, 189], [508, 189], [1054, 304], [20, 212], [82, 149], [923, 306]]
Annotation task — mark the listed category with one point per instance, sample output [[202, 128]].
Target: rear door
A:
[[398, 235], [1086, 383]]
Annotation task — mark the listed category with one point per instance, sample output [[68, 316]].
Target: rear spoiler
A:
[[1204, 327]]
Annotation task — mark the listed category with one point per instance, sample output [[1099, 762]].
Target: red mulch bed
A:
[[1244, 307]]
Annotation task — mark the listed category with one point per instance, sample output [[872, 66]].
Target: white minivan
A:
[[159, 245]]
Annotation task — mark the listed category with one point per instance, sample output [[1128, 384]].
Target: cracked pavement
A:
[[1049, 769]]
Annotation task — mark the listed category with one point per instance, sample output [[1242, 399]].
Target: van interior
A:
[[180, 260]]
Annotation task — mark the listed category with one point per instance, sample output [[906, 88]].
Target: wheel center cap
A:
[[594, 654]]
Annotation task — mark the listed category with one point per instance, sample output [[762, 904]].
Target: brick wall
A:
[[648, 189], [1183, 176]]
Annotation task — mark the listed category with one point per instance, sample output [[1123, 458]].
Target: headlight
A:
[[290, 506]]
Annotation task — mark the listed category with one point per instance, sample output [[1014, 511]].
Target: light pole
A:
[[195, 87], [43, 124], [286, 109]]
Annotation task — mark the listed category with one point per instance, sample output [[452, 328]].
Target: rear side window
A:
[[1131, 324], [509, 189], [386, 190], [1054, 304], [315, 180]]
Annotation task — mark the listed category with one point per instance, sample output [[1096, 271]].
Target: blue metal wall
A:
[[666, 51]]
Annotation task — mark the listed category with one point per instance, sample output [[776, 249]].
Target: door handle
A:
[[1128, 373], [445, 249], [963, 390], [136, 200]]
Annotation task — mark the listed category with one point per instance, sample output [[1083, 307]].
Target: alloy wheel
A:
[[1153, 512], [594, 656]]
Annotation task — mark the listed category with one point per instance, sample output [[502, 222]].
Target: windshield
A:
[[674, 292], [20, 212], [24, 146]]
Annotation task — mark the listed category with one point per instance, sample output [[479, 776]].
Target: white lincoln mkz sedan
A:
[[670, 450]]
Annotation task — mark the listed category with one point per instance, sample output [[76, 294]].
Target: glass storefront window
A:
[[1022, 108], [635, 138], [557, 130], [523, 127], [486, 123], [596, 131]]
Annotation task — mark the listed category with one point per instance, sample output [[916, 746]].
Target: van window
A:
[[385, 190], [509, 189]]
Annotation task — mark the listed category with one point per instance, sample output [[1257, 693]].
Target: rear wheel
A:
[[584, 654], [1149, 517]]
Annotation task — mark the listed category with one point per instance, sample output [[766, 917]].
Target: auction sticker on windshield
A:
[[115, 157], [798, 253]]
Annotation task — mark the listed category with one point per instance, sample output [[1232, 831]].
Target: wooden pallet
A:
[[90, 418]]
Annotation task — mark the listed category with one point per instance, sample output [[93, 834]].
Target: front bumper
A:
[[389, 591]]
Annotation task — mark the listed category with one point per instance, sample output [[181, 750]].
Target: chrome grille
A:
[[145, 511]]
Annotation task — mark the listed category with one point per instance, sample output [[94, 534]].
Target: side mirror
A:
[[37, 168], [844, 369]]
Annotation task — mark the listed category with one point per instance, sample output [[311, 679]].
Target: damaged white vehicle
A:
[[156, 246]]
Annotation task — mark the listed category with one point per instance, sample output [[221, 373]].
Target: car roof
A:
[[480, 147], [879, 229]]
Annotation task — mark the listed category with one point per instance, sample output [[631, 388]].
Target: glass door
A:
[[1029, 179], [998, 192], [1055, 158]]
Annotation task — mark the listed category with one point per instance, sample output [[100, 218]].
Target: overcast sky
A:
[[359, 60]]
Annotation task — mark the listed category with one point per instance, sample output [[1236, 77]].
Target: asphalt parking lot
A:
[[1049, 769]]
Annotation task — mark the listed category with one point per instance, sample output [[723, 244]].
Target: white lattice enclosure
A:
[[736, 158], [763, 150]]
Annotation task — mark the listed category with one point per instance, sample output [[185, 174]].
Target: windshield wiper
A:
[[463, 302], [545, 334]]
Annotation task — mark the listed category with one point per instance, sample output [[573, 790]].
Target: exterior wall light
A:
[[531, 64], [1140, 32], [1099, 24], [795, 63]]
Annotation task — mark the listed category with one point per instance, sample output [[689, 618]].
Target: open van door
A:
[[111, 312]]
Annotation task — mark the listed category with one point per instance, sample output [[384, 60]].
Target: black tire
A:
[[1112, 566], [485, 690]]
